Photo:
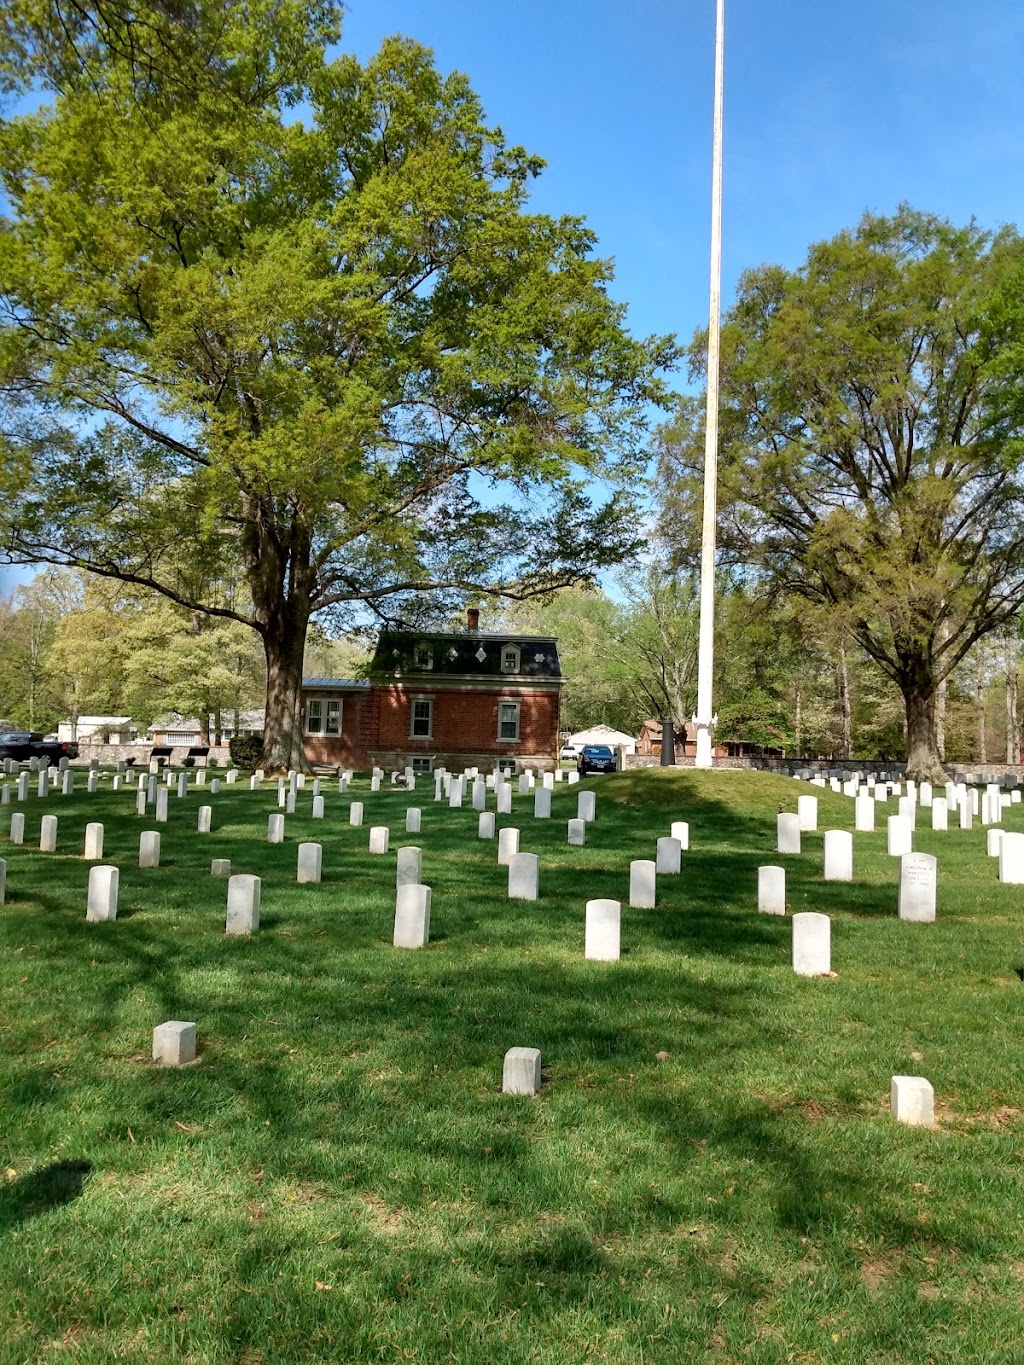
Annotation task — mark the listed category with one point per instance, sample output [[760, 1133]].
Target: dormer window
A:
[[510, 658], [423, 656]]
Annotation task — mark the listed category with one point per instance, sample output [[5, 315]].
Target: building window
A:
[[510, 658], [508, 720], [323, 716], [314, 716], [180, 737], [421, 765], [423, 656], [333, 724], [422, 718]]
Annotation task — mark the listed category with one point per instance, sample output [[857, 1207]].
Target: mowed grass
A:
[[710, 1172]]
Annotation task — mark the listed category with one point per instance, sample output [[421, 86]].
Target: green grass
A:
[[339, 1179]]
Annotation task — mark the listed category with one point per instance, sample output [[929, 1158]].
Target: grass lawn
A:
[[710, 1172]]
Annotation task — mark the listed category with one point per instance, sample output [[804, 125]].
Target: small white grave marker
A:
[[918, 873], [93, 841], [508, 845], [900, 836], [412, 916], [205, 822], [520, 1074], [48, 834], [940, 813], [812, 944], [586, 806], [1011, 859], [603, 930], [355, 813], [149, 848], [174, 1043], [310, 862], [485, 825], [787, 833], [409, 870], [912, 1101], [18, 827], [807, 812], [275, 828], [680, 830], [380, 838], [771, 890], [642, 883], [838, 855], [668, 858], [578, 832], [220, 867], [523, 877], [243, 913], [102, 897]]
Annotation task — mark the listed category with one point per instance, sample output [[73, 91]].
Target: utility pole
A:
[[705, 719]]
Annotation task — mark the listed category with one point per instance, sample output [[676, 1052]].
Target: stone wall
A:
[[138, 755], [835, 767]]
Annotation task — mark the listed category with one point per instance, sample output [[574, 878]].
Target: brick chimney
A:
[[473, 620]]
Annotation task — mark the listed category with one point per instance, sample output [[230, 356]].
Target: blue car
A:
[[596, 758]]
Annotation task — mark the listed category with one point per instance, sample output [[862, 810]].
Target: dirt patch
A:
[[877, 1270]]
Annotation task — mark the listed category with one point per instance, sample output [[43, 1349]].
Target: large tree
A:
[[337, 348], [871, 446]]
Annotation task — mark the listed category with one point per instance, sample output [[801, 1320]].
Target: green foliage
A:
[[245, 750], [339, 352], [871, 440]]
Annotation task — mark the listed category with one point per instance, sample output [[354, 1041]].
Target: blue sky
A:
[[831, 109]]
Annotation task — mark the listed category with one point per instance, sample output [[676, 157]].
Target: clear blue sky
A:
[[831, 109]]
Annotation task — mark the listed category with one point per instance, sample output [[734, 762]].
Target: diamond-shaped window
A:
[[453, 653], [538, 658], [480, 655]]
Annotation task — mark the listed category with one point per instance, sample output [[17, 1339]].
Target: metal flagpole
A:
[[704, 719]]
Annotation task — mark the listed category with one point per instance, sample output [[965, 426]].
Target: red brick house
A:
[[433, 699]]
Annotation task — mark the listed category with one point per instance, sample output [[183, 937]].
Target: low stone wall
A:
[[137, 755], [829, 767]]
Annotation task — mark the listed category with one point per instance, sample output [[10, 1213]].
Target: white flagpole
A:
[[705, 719]]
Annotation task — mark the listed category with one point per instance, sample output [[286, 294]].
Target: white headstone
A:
[[642, 874], [542, 803], [182, 784], [215, 786], [23, 786], [900, 836], [161, 806], [43, 784], [787, 838], [520, 1074], [290, 798], [220, 867], [523, 877], [578, 832], [586, 806], [102, 898], [925, 795], [93, 841], [92, 782], [67, 783], [771, 890], [174, 1043], [275, 828], [966, 814], [48, 834], [812, 944], [310, 862], [680, 830], [412, 914], [508, 845], [807, 812], [479, 795], [503, 798], [864, 814], [205, 823], [912, 1101], [149, 848], [18, 827], [1011, 859], [413, 820], [455, 794], [940, 813], [603, 930], [485, 825], [380, 838], [355, 813], [838, 855], [668, 858], [243, 913], [524, 784], [908, 810], [993, 840], [918, 872], [409, 870]]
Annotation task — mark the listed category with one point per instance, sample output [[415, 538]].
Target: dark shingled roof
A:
[[476, 654]]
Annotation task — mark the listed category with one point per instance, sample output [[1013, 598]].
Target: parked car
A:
[[22, 744], [596, 758], [570, 753]]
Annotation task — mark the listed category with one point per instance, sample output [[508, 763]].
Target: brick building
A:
[[432, 699]]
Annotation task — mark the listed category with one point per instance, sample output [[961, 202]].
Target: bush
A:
[[246, 750]]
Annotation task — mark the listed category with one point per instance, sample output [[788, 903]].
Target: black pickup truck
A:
[[21, 744]]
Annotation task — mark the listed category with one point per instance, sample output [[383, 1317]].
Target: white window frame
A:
[[318, 702], [510, 701], [421, 701], [511, 649], [423, 657], [338, 704]]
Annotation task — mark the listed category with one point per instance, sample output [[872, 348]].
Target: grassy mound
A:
[[710, 1172]]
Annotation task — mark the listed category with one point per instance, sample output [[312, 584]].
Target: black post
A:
[[668, 743]]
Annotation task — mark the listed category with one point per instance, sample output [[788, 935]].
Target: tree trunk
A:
[[844, 707], [284, 643], [1012, 715], [940, 719], [923, 763], [668, 742], [799, 718], [979, 696]]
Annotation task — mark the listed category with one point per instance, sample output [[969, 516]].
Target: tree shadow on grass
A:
[[51, 1187]]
